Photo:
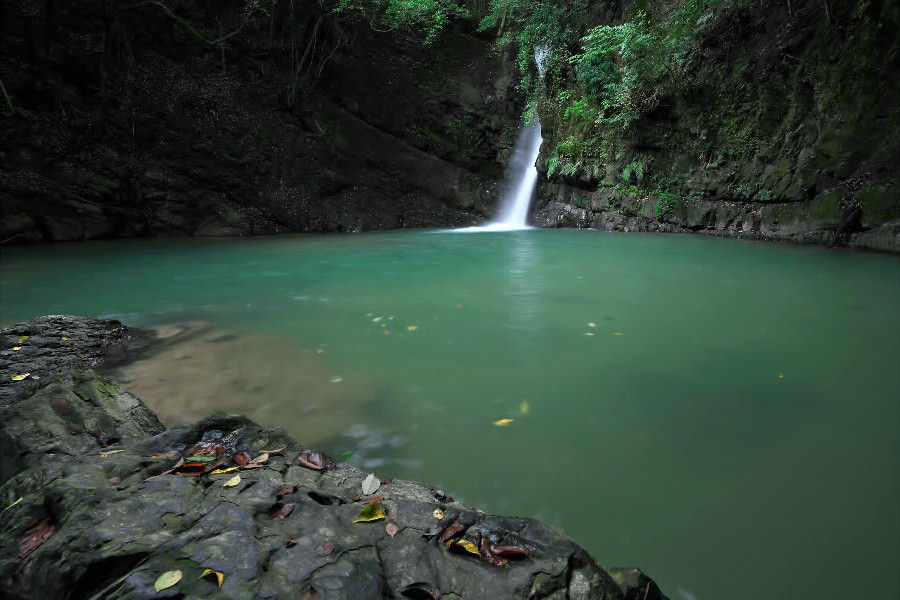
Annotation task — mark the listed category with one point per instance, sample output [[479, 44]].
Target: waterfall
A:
[[521, 176]]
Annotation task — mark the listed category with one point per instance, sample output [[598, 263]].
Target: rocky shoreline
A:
[[99, 500]]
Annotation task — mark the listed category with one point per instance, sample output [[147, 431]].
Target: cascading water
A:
[[521, 177]]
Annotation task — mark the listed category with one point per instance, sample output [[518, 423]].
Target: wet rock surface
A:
[[93, 509]]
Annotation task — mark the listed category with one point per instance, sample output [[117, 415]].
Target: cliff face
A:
[[211, 118], [781, 124]]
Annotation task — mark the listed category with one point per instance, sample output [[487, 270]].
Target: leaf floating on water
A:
[[324, 549], [592, 325], [167, 580], [587, 334], [232, 482], [36, 533], [412, 327], [438, 514], [19, 376], [220, 577], [524, 407], [223, 471], [391, 529], [781, 376], [463, 545], [372, 512], [618, 333], [503, 422], [370, 484], [280, 512]]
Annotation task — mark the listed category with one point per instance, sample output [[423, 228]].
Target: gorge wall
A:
[[218, 118], [773, 119]]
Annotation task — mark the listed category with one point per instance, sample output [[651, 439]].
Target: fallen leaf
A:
[[592, 325], [285, 490], [503, 422], [274, 452], [367, 498], [168, 454], [324, 549], [65, 339], [463, 545], [372, 512], [22, 339], [115, 480], [262, 458], [109, 452], [524, 407], [485, 547], [232, 482], [35, 534], [781, 376], [167, 580], [450, 531], [292, 542], [241, 459], [370, 484], [391, 529], [13, 504], [311, 594], [618, 333], [509, 550], [220, 577], [438, 514], [587, 334], [280, 512], [412, 327], [16, 348], [312, 459], [19, 376], [221, 471]]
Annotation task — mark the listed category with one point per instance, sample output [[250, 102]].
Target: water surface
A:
[[723, 414]]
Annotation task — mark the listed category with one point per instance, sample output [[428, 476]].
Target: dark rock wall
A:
[[125, 119], [787, 129]]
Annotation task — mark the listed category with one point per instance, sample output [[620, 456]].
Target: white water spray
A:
[[521, 177]]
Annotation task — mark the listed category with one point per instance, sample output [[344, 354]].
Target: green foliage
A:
[[427, 16]]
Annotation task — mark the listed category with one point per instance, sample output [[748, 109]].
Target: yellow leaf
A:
[[503, 422], [22, 339], [587, 334], [108, 452], [219, 575], [781, 376], [220, 471], [464, 544], [65, 339], [438, 514], [19, 376], [16, 348], [412, 327], [524, 407], [618, 333], [371, 512], [167, 580], [232, 482], [14, 503]]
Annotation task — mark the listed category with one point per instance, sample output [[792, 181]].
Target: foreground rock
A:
[[92, 510]]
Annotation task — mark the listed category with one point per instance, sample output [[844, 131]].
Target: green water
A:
[[739, 439]]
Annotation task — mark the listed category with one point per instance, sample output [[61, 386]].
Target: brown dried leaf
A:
[[274, 452], [35, 534], [279, 512], [510, 550], [285, 490], [391, 529], [292, 542], [241, 459], [450, 531], [312, 459], [324, 549], [484, 545]]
